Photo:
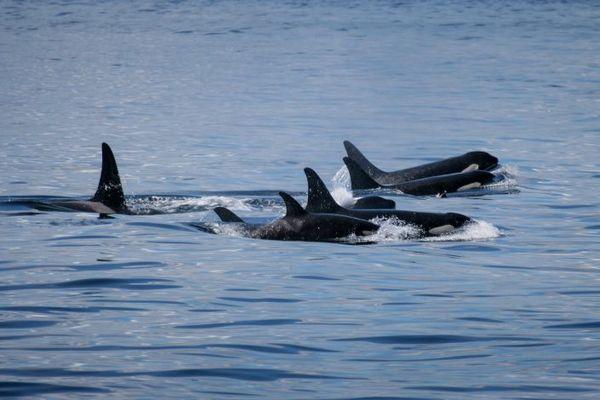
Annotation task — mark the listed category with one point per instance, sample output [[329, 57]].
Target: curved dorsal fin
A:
[[292, 207], [361, 160], [227, 215], [319, 198], [110, 191], [359, 178]]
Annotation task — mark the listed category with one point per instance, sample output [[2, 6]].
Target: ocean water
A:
[[223, 103]]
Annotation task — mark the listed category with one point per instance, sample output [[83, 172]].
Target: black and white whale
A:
[[321, 201], [374, 202], [108, 199], [434, 185], [299, 224], [471, 161]]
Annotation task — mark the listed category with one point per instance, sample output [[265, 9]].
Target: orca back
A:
[[442, 184], [374, 202], [471, 161]]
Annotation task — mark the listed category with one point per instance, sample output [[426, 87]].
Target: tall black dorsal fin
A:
[[227, 215], [110, 190], [292, 207], [359, 178], [361, 160], [319, 198]]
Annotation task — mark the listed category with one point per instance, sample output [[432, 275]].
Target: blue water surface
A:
[[223, 103]]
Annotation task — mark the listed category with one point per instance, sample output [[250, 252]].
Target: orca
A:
[[321, 201], [108, 199], [374, 202], [434, 185], [299, 224], [471, 161]]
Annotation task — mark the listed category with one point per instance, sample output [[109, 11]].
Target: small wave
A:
[[224, 229], [170, 205], [506, 179], [26, 324], [475, 230], [83, 219], [393, 230], [18, 389], [257, 322], [509, 170]]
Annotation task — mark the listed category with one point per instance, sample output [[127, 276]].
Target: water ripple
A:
[[117, 283], [60, 310], [260, 300], [26, 324], [430, 339], [501, 388], [18, 389], [581, 325], [258, 322], [245, 374]]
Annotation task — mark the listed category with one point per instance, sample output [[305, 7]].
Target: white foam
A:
[[223, 229], [510, 181], [341, 179], [229, 229], [175, 205], [391, 230], [474, 230], [508, 170], [341, 188], [343, 196], [394, 230]]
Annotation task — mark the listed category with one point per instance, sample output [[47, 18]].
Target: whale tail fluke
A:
[[359, 178], [110, 190], [292, 207], [361, 160], [227, 215], [319, 198]]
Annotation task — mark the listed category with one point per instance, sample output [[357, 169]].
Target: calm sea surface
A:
[[223, 103]]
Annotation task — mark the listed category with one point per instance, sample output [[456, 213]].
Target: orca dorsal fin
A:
[[292, 207], [227, 215], [359, 178], [361, 160], [319, 198], [110, 191]]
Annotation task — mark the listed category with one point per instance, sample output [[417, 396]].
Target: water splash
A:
[[341, 179], [395, 230], [221, 228], [341, 188], [343, 197], [170, 205], [506, 180], [475, 230]]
